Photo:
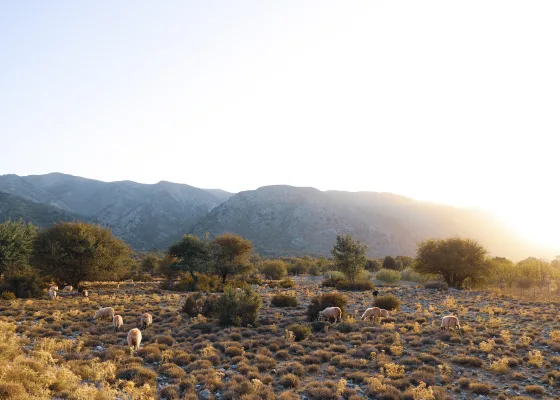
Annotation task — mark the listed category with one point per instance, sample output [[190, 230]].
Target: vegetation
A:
[[357, 286], [455, 259], [74, 252], [390, 263], [300, 331], [274, 269], [239, 307], [349, 256], [388, 275], [230, 255], [319, 303], [388, 302], [284, 300], [16, 244], [190, 255]]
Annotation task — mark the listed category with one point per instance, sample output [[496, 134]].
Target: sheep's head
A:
[[321, 316]]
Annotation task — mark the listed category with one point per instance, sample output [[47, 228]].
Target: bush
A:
[[287, 283], [388, 302], [318, 326], [412, 276], [284, 300], [26, 285], [436, 285], [358, 286], [332, 281], [300, 331], [388, 275], [197, 303], [274, 269], [8, 296], [319, 303], [239, 307], [203, 283]]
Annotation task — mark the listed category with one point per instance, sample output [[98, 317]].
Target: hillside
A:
[[284, 220], [146, 216]]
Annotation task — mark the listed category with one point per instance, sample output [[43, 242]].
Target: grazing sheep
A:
[[85, 293], [145, 320], [384, 313], [330, 312], [449, 322], [68, 288], [117, 322], [55, 288], [373, 312], [134, 338], [105, 312], [52, 294]]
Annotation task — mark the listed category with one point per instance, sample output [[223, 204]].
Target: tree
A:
[[274, 269], [349, 256], [373, 265], [72, 252], [150, 263], [405, 261], [390, 263], [16, 244], [455, 259], [502, 271], [191, 255], [230, 255]]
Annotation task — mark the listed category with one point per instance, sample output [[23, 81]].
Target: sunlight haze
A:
[[449, 102]]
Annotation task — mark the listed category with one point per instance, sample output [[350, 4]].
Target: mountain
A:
[[146, 216], [282, 220]]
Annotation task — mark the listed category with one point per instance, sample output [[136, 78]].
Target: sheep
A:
[[450, 321], [384, 313], [105, 312], [330, 312], [117, 322], [54, 287], [145, 320], [68, 288], [85, 293], [134, 338], [52, 294], [373, 312]]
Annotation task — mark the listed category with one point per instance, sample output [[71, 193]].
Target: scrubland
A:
[[509, 348]]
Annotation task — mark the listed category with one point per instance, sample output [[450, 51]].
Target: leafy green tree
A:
[[230, 255], [274, 269], [455, 259], [73, 252], [373, 265], [502, 272], [16, 244], [390, 263], [150, 263], [349, 256], [405, 261], [191, 255]]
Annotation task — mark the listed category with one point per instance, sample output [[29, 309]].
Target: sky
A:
[[450, 102]]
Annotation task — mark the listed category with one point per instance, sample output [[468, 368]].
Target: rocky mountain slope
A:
[[146, 216], [284, 220]]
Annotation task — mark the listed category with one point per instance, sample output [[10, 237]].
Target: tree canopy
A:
[[455, 259], [349, 256], [16, 243], [72, 252], [230, 255], [191, 255]]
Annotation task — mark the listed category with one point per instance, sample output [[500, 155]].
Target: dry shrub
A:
[[319, 303]]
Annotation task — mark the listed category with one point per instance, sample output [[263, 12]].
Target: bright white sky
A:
[[453, 102]]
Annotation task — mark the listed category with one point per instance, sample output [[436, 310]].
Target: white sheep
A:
[[68, 288], [145, 320], [105, 312], [450, 321], [371, 313], [117, 322], [134, 338], [85, 293], [384, 313], [330, 312], [54, 287], [52, 294]]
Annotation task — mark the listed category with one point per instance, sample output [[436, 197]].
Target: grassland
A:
[[53, 349]]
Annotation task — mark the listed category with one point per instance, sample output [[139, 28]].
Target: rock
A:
[[205, 394]]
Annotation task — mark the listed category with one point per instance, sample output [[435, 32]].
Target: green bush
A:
[[274, 269], [239, 307], [319, 303], [412, 276], [358, 286], [388, 302], [284, 300], [436, 285], [26, 285], [203, 283], [198, 303], [388, 275], [332, 281], [300, 331], [8, 296], [287, 283]]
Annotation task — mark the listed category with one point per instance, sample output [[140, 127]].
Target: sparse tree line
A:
[[71, 253]]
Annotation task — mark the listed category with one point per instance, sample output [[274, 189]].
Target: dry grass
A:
[[55, 350]]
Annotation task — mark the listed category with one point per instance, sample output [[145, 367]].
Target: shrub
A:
[[203, 283], [412, 276], [26, 285], [388, 275], [284, 300], [358, 286], [388, 302], [436, 285], [197, 303], [287, 283], [318, 326], [239, 307], [8, 295], [274, 269], [300, 331], [332, 281], [319, 303]]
